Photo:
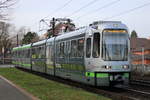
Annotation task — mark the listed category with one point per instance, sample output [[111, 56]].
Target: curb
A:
[[20, 89]]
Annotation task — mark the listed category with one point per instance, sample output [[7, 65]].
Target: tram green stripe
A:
[[102, 75], [19, 63], [89, 74], [26, 65], [98, 75], [25, 47], [126, 75], [21, 48], [13, 62]]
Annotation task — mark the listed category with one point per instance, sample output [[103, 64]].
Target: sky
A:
[[28, 13]]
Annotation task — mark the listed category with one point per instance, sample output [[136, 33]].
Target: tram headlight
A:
[[125, 67], [108, 67]]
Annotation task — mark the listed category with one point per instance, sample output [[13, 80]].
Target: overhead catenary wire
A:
[[127, 11], [78, 10], [98, 9], [60, 8]]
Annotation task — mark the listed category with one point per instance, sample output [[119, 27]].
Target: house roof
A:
[[59, 26], [138, 43]]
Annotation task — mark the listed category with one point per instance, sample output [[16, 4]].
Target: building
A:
[[140, 51], [140, 54]]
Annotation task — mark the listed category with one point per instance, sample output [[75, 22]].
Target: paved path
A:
[[9, 91], [6, 65]]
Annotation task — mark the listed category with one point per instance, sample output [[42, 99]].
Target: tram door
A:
[[50, 58], [67, 52], [92, 51], [88, 53], [96, 46]]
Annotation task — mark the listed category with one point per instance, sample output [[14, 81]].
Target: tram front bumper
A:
[[107, 79]]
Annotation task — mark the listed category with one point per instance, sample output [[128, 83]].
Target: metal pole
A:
[[53, 26], [3, 50], [143, 69], [17, 39]]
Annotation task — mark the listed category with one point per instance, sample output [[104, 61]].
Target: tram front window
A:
[[115, 45]]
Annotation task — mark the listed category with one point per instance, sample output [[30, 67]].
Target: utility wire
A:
[[127, 11], [98, 9], [58, 9], [78, 10], [90, 3]]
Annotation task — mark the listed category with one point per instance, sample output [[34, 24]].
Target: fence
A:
[[140, 69]]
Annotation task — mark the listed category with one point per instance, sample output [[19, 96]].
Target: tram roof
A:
[[50, 39], [71, 34], [110, 25], [39, 43]]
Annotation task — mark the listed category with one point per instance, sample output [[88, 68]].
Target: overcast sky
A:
[[29, 12]]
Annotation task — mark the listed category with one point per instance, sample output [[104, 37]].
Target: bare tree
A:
[[5, 41], [21, 32], [5, 5]]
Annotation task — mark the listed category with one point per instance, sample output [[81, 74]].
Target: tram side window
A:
[[14, 54], [96, 45], [57, 50], [33, 53], [22, 53], [88, 47], [25, 54], [48, 54], [19, 54], [37, 51], [67, 49], [28, 54], [62, 49], [41, 52], [73, 48], [80, 47]]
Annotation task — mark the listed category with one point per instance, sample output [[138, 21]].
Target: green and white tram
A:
[[96, 55]]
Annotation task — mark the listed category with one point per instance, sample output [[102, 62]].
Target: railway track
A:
[[137, 92], [140, 82], [115, 93]]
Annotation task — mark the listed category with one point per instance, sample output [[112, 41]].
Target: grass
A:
[[46, 89]]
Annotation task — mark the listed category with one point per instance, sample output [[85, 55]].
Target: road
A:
[[6, 65]]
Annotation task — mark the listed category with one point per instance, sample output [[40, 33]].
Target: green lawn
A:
[[46, 89]]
